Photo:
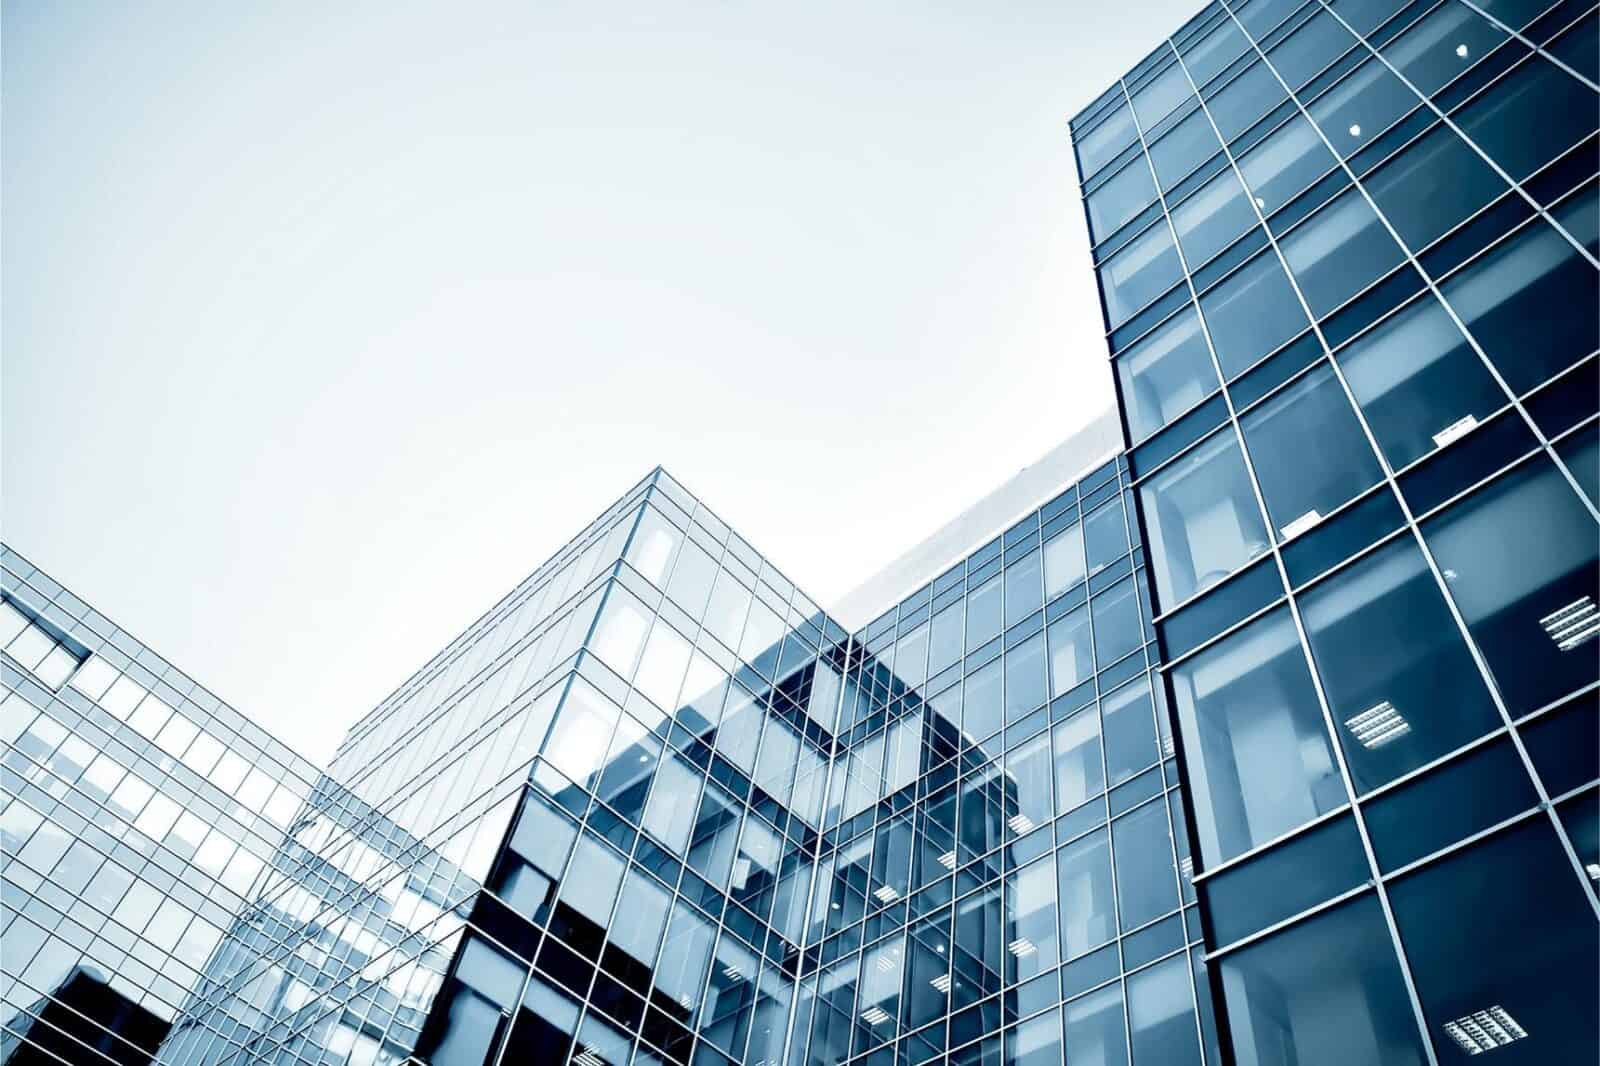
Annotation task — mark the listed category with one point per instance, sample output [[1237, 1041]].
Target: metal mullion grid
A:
[[1419, 1019], [1411, 524], [1518, 35], [1405, 506]]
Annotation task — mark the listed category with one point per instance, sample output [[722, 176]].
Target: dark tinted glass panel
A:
[[1165, 374], [1124, 195], [1304, 53], [1285, 163], [1418, 382], [1094, 1027], [1283, 881], [1361, 106], [1188, 144], [1260, 16], [1207, 221], [1139, 273], [1221, 45], [1326, 992], [1339, 251], [1581, 453], [1161, 1015], [1202, 519], [1147, 886], [1238, 104], [1259, 760], [1563, 744], [1535, 114], [1470, 793], [1399, 680], [1364, 16], [1433, 185], [1519, 879], [1529, 303], [1308, 450], [1536, 622], [1251, 313], [1446, 42]]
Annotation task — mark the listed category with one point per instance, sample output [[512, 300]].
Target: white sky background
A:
[[323, 325]]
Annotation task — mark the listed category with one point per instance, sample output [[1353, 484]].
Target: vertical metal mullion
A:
[[1410, 516], [1329, 725]]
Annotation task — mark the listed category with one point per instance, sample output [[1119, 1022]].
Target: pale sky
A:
[[324, 325]]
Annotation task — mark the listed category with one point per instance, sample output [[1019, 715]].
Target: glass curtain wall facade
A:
[[137, 816], [1347, 255]]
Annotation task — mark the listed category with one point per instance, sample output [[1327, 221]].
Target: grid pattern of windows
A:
[[1347, 254], [137, 816]]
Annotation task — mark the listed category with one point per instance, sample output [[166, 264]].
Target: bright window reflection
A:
[[1259, 761], [1165, 374], [1202, 519]]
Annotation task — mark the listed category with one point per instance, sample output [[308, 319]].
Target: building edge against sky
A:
[[656, 806]]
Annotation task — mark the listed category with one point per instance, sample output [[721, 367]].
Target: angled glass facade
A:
[[1347, 254], [138, 816], [1271, 739]]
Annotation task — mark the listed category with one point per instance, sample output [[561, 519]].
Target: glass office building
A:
[[137, 816], [1347, 255], [1269, 739]]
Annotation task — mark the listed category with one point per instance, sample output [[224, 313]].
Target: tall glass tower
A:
[[1347, 256]]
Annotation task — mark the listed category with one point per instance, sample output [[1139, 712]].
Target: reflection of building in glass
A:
[[1332, 617], [1348, 259], [138, 814]]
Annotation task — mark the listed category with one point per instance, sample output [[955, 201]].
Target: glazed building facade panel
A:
[[1347, 255]]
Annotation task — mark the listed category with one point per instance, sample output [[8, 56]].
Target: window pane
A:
[[1258, 755], [1543, 977], [1139, 273], [1400, 682], [1031, 920], [1535, 621], [1100, 145], [1024, 589], [1251, 313], [1285, 164], [1528, 302], [1309, 452], [1416, 376], [1084, 881], [1431, 186], [1029, 768], [1025, 680], [1116, 623], [670, 813], [1125, 194], [1063, 562], [577, 743], [1339, 251], [1147, 886], [1447, 41], [1532, 116], [1210, 219], [1161, 1015], [1165, 374], [983, 614], [1237, 105], [1071, 655], [982, 702], [1079, 774], [1156, 100], [1094, 1028], [1130, 731], [1105, 536], [1202, 520], [1361, 107], [1207, 57], [1183, 148], [944, 645], [1305, 52], [1325, 992]]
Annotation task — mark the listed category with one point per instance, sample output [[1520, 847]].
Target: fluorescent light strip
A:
[[1573, 625], [733, 973], [886, 894], [874, 1016], [1484, 1030], [948, 860], [1020, 824], [1378, 725], [942, 983], [1022, 947]]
